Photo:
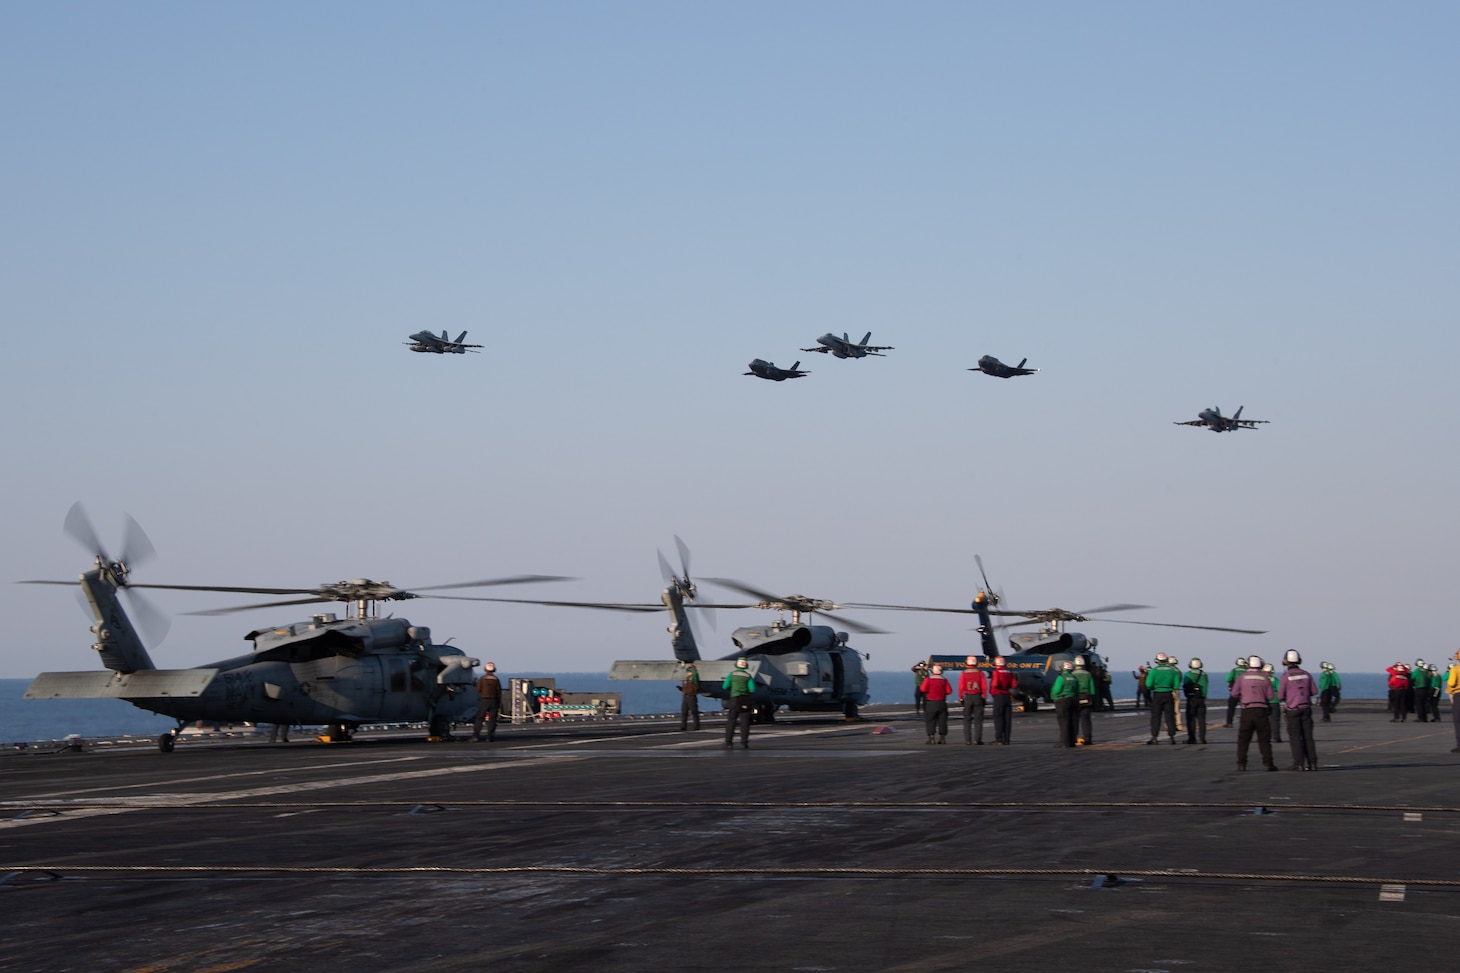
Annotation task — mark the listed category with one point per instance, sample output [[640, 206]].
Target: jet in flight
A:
[[845, 347], [425, 341], [1214, 420], [768, 370], [990, 365]]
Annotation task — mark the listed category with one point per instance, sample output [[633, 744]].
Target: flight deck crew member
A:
[[1194, 688], [740, 684], [1419, 688], [689, 698], [1452, 686], [1330, 690], [1001, 688], [973, 687], [1398, 692], [920, 673], [1143, 693], [1065, 694], [1232, 675], [1296, 689], [936, 691], [1163, 681], [1435, 690], [489, 688], [1253, 691], [1085, 702], [1275, 707]]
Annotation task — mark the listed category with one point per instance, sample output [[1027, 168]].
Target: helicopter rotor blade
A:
[[665, 571], [263, 604], [683, 555], [983, 574], [852, 625], [622, 606], [489, 582], [744, 589], [1110, 608], [152, 622], [78, 525], [136, 548], [1205, 628]]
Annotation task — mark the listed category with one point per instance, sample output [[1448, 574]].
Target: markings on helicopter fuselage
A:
[[77, 812]]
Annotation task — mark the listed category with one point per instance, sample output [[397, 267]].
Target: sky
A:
[[221, 222]]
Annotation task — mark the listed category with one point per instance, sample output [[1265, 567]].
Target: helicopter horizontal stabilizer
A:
[[144, 684], [710, 670]]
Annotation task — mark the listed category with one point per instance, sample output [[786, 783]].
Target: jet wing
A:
[[104, 684], [819, 349], [1191, 422]]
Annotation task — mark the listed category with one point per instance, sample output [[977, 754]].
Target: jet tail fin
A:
[[1238, 414], [460, 338], [794, 367], [1021, 363], [866, 338]]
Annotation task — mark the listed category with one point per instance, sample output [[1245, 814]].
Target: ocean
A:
[[38, 720]]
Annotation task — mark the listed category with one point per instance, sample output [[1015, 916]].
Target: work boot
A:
[[942, 740], [1270, 767], [930, 739], [1241, 766], [1150, 741], [1173, 740]]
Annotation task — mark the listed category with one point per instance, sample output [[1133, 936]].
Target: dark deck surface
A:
[[824, 847]]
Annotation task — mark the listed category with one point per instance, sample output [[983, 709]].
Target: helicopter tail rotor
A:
[[152, 622]]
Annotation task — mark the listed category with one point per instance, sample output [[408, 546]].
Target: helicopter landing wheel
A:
[[337, 733], [166, 742], [439, 728], [765, 713]]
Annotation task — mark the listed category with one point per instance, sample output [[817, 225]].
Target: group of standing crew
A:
[[1414, 690], [975, 691]]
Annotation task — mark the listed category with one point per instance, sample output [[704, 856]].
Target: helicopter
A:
[[1036, 658], [331, 671], [795, 664]]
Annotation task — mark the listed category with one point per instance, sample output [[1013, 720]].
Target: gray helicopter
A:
[[336, 672], [796, 665], [1036, 658]]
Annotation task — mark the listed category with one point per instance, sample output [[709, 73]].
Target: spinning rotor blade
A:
[[78, 525], [683, 554], [744, 589], [1113, 608], [1206, 628], [605, 605], [514, 579], [847, 623], [152, 622], [665, 571], [263, 604], [983, 574], [136, 548]]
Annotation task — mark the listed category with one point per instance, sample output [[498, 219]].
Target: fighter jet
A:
[[424, 341], [768, 369], [1214, 420], [845, 347], [990, 365]]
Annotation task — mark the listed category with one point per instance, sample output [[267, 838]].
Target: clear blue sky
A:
[[222, 220]]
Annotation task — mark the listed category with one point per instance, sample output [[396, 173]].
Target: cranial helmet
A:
[[1079, 662], [971, 660], [1195, 663], [1160, 657], [490, 667], [999, 661], [1326, 665], [741, 664], [1419, 663], [1068, 667], [1241, 662], [1253, 662], [937, 670], [1292, 658], [1267, 667]]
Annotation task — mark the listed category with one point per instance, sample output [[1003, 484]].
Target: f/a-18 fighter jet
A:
[[990, 365], [845, 347], [425, 341], [768, 369], [1214, 420]]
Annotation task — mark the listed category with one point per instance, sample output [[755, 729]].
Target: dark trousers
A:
[[1231, 707], [1419, 704], [1163, 709], [1329, 702], [973, 707], [1300, 737], [918, 701], [1275, 720], [689, 707], [1255, 719], [488, 710], [1065, 717], [1434, 704], [1083, 721], [739, 713], [935, 717], [1455, 717], [1397, 698], [1196, 719], [1003, 717]]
